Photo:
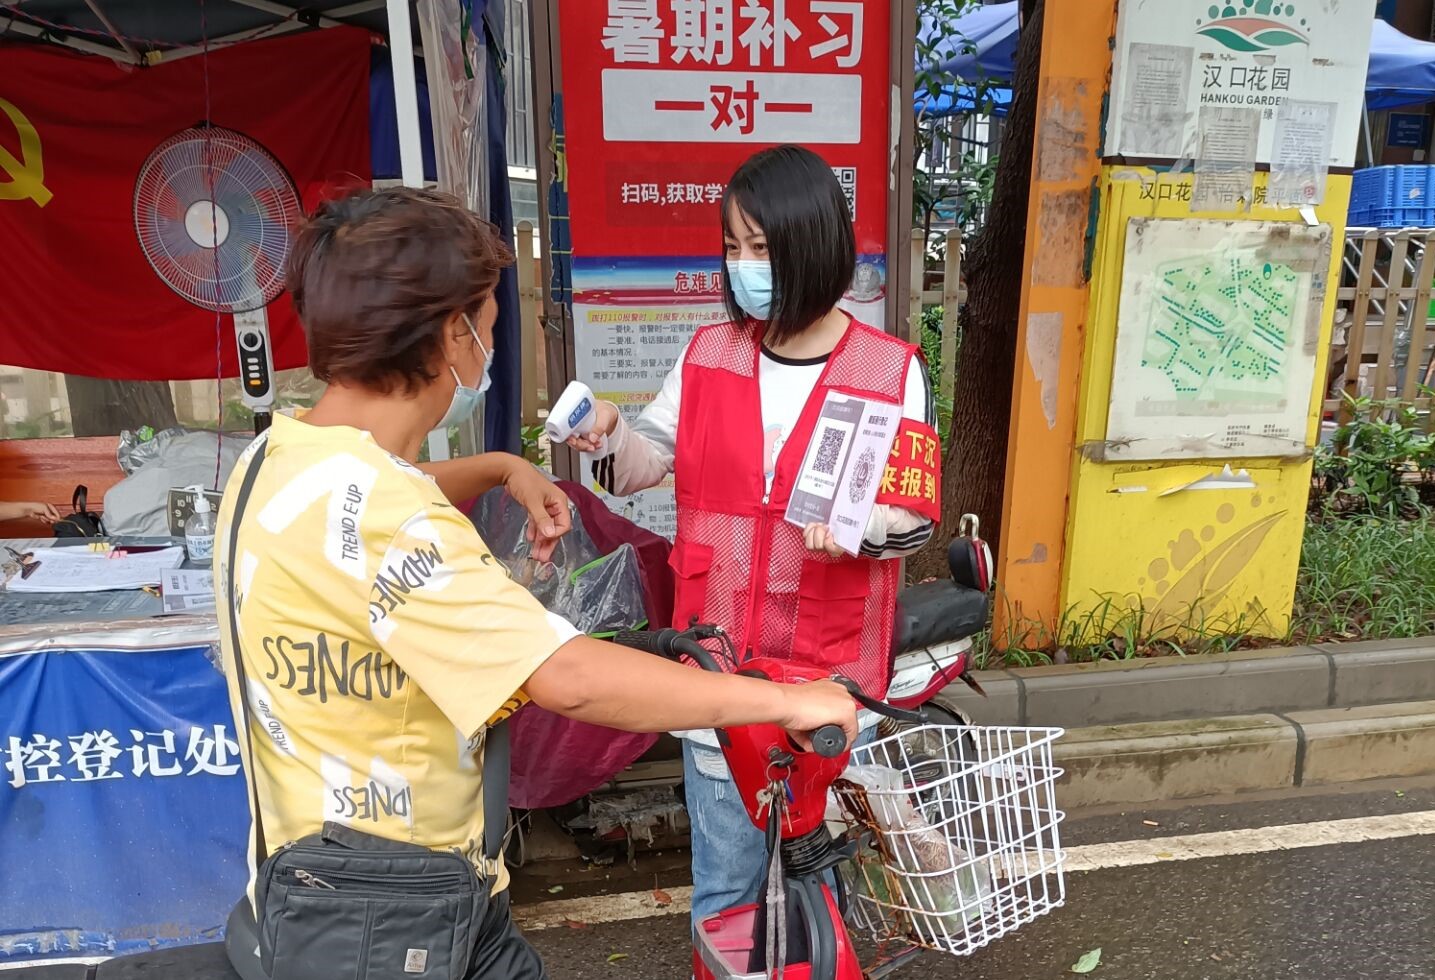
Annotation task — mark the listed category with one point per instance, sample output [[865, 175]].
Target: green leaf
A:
[[1088, 962], [617, 957]]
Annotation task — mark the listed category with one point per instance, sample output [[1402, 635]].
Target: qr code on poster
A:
[[847, 177], [825, 462]]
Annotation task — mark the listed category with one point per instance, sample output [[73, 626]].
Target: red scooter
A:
[[785, 791], [988, 801], [797, 932]]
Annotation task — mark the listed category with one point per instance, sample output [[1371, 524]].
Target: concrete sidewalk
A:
[[1182, 728]]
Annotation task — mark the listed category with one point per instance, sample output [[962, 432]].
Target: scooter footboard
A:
[[729, 945]]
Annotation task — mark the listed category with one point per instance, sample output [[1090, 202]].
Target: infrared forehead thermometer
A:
[[573, 414]]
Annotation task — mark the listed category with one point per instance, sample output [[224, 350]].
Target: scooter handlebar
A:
[[668, 643], [829, 741]]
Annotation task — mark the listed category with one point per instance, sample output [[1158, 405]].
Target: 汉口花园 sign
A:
[[1179, 63]]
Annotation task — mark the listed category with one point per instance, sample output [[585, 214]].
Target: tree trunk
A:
[[974, 470], [100, 407]]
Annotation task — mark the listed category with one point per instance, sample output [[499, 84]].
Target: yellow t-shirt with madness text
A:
[[380, 638]]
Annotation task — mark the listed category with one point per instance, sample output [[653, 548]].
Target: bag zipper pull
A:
[[312, 880]]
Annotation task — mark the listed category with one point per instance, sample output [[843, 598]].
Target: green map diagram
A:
[[1221, 326]]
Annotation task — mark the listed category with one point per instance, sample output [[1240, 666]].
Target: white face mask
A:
[[466, 398]]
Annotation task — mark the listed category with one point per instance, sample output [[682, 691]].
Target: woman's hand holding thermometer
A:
[[581, 420]]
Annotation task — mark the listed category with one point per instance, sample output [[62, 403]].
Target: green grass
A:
[[1366, 579], [1360, 579]]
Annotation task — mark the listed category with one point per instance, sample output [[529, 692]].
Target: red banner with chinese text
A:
[[662, 101], [79, 295], [913, 478]]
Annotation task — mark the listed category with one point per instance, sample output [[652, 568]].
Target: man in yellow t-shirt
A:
[[379, 635], [367, 718]]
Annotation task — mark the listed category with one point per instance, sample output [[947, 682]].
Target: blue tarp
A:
[[503, 405], [1402, 69], [980, 45], [384, 121]]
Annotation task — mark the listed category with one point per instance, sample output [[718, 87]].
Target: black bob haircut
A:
[[793, 196]]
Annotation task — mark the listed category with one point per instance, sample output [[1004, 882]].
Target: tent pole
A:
[[287, 26], [1365, 131], [411, 161], [104, 19], [406, 94], [77, 44]]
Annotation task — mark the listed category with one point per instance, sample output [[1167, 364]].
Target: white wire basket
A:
[[962, 828]]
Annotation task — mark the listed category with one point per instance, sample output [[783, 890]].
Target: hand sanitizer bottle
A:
[[199, 531]]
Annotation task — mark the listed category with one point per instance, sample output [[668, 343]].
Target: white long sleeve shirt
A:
[[640, 455]]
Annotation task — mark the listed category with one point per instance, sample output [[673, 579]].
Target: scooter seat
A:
[[937, 612]]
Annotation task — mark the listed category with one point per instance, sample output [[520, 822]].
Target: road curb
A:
[[1247, 682], [1184, 727], [1148, 762]]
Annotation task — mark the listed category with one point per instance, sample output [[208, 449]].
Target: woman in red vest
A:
[[732, 424]]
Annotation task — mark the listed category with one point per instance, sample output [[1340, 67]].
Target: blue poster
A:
[[1408, 129], [123, 811]]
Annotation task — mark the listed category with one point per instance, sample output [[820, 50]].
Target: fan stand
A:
[[256, 365], [208, 226]]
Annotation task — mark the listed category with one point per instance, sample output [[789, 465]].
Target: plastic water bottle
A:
[[199, 531]]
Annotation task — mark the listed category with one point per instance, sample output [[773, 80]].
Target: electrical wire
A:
[[210, 181]]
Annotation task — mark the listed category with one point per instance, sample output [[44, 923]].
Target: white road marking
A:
[[630, 906], [1254, 840], [63, 960]]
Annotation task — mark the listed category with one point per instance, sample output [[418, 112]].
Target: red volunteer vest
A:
[[737, 562]]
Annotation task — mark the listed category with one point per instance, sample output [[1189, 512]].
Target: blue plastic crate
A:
[[1400, 218], [1399, 196], [1372, 188]]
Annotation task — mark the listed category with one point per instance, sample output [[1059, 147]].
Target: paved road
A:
[[1345, 908], [1362, 911]]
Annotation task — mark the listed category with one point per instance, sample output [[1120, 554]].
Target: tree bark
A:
[[101, 407], [974, 468]]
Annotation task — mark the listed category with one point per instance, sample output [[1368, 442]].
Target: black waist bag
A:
[[348, 905], [343, 903], [81, 522]]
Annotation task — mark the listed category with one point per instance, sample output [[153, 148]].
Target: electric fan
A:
[[214, 212]]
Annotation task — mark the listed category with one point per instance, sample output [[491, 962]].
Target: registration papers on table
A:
[[82, 570]]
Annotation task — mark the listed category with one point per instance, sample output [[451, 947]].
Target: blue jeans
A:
[[729, 853]]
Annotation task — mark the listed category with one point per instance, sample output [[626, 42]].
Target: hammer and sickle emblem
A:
[[27, 174]]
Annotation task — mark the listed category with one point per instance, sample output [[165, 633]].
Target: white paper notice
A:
[[76, 570], [843, 468], [1158, 79], [1302, 151], [1226, 159], [187, 590]]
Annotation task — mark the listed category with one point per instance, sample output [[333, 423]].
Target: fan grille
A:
[[227, 253]]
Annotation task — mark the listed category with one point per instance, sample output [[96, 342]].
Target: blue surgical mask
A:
[[466, 398], [752, 286]]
